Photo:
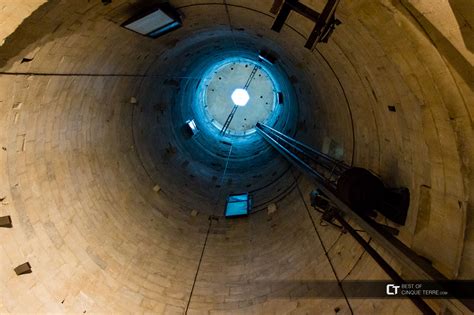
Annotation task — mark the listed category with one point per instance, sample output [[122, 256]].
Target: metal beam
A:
[[418, 301], [234, 109], [394, 247], [303, 10], [293, 5], [281, 17], [326, 20], [229, 120]]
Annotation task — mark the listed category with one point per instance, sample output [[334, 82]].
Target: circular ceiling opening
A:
[[240, 92], [178, 130], [240, 97]]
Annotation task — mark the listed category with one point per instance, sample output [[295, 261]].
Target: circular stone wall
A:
[[90, 116]]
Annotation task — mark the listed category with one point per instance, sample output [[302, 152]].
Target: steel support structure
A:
[[299, 154], [325, 21]]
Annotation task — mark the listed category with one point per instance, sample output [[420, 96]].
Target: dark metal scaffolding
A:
[[326, 171], [325, 22], [322, 166]]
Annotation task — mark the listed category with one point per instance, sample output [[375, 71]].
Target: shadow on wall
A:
[[443, 45], [30, 31], [464, 13], [46, 22]]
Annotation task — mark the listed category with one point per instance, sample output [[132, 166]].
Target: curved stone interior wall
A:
[[192, 168], [99, 237]]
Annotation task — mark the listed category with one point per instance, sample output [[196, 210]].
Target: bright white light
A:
[[240, 97]]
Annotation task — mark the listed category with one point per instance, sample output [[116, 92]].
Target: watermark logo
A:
[[392, 289]]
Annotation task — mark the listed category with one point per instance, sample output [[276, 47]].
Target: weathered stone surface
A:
[[84, 212]]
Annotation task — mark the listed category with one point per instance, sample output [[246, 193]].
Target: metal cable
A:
[[230, 23], [339, 283], [199, 265]]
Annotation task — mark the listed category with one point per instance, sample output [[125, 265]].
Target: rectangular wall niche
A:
[[154, 22], [238, 205], [191, 127], [6, 222]]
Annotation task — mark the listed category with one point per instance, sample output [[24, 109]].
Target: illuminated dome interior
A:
[[119, 209], [213, 164], [227, 81]]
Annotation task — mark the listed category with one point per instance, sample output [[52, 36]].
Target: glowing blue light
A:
[[238, 205], [240, 97]]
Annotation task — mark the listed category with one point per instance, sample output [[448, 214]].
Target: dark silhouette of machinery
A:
[[360, 189], [347, 195]]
